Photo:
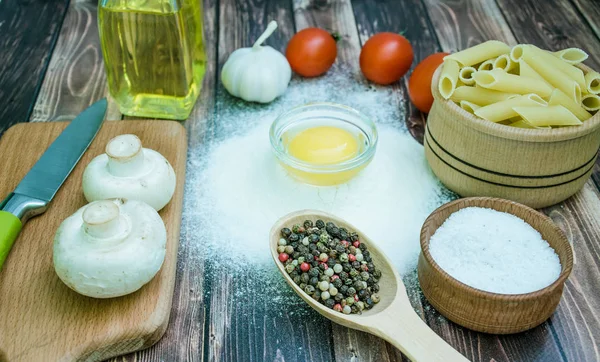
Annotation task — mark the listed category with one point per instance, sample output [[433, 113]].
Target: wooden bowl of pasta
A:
[[538, 167]]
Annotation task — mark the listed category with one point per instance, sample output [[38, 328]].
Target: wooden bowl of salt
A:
[[478, 308]]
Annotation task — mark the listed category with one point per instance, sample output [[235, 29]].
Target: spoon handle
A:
[[405, 330]]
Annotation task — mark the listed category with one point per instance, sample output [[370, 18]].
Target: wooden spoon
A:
[[393, 318]]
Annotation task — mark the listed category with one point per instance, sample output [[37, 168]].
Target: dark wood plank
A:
[[480, 22], [338, 16], [187, 338], [75, 76], [251, 327], [590, 10], [410, 19], [29, 30]]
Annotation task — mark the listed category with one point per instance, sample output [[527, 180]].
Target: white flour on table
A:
[[238, 190]]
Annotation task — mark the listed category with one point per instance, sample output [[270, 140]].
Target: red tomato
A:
[[311, 52], [419, 84], [385, 58]]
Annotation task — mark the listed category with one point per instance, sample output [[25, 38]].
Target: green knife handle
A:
[[10, 226], [15, 210]]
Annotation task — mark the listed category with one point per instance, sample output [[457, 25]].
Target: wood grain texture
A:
[[590, 10], [54, 322], [249, 328], [29, 30], [338, 16], [75, 77], [410, 19], [186, 338]]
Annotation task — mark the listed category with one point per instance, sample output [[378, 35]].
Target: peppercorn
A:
[[324, 238], [320, 224], [325, 295], [313, 272], [329, 224], [290, 267], [317, 295], [308, 224], [304, 278], [293, 238], [354, 273], [357, 285], [360, 305], [281, 249], [359, 257], [375, 288], [317, 231], [354, 237], [328, 272], [331, 262], [347, 309], [363, 294], [375, 298], [296, 279], [356, 265], [343, 234], [335, 231], [314, 264], [369, 303], [343, 275], [365, 276], [337, 307], [343, 289], [338, 297], [313, 281], [377, 273], [313, 238], [351, 291], [355, 309], [348, 282], [370, 281], [296, 228], [309, 289], [352, 250], [305, 241], [324, 285], [329, 303], [302, 285], [296, 255], [337, 283], [289, 249], [343, 257], [283, 257], [286, 232]]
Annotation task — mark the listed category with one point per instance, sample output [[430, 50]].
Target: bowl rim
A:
[[513, 133], [462, 287], [357, 161]]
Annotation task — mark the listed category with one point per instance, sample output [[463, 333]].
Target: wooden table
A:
[[51, 69]]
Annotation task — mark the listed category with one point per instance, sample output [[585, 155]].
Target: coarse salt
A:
[[494, 251]]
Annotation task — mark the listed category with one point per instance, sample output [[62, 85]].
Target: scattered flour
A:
[[238, 190], [494, 251]]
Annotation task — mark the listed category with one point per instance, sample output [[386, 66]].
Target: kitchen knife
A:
[[38, 187]]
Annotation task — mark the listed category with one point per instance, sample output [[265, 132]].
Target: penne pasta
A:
[[499, 80], [559, 98], [517, 52], [505, 63], [521, 123], [480, 96], [525, 70], [466, 75], [556, 78], [573, 72], [591, 102], [547, 116], [487, 65], [571, 55], [448, 78], [501, 111], [468, 106], [479, 53], [592, 82]]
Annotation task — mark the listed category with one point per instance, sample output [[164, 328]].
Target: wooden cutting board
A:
[[41, 319]]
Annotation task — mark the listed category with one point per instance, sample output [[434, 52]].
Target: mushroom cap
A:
[[153, 184], [104, 252]]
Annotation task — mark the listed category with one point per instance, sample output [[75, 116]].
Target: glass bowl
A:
[[300, 118]]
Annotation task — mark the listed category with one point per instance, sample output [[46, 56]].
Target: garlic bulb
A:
[[110, 248], [128, 171], [257, 74]]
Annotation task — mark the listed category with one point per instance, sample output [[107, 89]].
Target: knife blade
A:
[[35, 191]]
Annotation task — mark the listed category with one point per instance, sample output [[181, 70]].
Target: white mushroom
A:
[[110, 248], [130, 172]]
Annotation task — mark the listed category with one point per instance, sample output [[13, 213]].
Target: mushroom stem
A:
[[101, 219], [267, 33], [125, 156]]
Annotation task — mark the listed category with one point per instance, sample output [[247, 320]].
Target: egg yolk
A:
[[323, 145]]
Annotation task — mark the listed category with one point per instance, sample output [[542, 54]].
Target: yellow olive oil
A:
[[153, 54]]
